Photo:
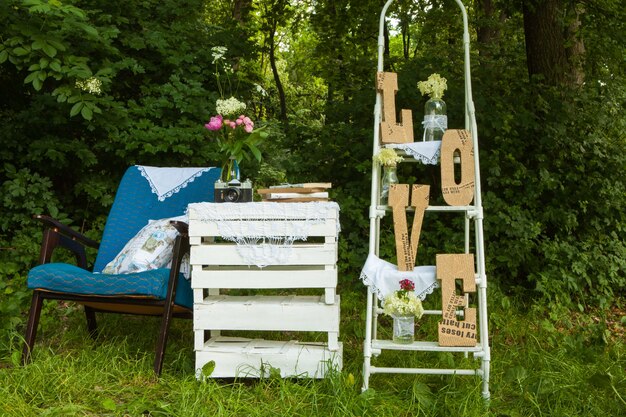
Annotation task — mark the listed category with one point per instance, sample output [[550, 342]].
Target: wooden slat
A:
[[245, 358], [291, 313], [264, 278]]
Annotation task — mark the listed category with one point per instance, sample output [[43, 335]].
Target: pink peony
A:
[[215, 123], [248, 128]]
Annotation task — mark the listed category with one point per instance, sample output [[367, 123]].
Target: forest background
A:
[[548, 80]]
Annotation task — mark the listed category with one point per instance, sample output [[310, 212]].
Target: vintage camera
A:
[[233, 191]]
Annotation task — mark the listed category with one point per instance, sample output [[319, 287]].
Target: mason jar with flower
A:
[[388, 159], [435, 113], [404, 307], [236, 137]]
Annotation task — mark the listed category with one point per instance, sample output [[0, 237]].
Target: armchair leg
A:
[[168, 311], [31, 328], [92, 325]]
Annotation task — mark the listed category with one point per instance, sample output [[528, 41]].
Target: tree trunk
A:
[[279, 84], [487, 30], [241, 10], [547, 41], [576, 51]]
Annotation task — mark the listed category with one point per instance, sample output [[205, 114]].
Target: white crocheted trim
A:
[[265, 232], [165, 182], [425, 152], [383, 278]]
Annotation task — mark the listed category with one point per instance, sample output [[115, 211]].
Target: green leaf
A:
[[19, 51], [208, 368], [37, 84], [49, 50], [255, 151], [31, 77], [109, 404], [76, 108], [87, 28], [55, 66], [3, 56], [86, 112]]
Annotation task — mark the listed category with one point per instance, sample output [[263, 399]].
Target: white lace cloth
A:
[[384, 278], [165, 182], [425, 152], [265, 231]]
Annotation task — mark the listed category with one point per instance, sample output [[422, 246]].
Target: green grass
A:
[[543, 364]]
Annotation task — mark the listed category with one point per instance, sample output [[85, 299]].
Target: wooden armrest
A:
[[182, 227], [64, 230], [57, 234]]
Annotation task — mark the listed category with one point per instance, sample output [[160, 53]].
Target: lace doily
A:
[[265, 232], [384, 278], [425, 152], [165, 182]]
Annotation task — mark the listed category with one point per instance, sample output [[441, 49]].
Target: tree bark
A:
[[487, 31], [547, 39], [279, 84]]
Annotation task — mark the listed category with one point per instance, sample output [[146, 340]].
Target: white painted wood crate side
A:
[[245, 358], [296, 254], [264, 278], [271, 313]]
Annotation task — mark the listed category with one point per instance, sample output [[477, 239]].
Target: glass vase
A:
[[389, 177], [403, 329], [435, 119], [230, 170]]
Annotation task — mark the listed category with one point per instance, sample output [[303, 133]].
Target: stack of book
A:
[[292, 193]]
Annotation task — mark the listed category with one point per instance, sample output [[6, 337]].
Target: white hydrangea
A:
[[407, 304], [229, 107]]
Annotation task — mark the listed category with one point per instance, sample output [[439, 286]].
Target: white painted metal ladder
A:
[[473, 216]]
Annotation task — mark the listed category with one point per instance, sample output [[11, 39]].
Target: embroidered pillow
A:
[[151, 248]]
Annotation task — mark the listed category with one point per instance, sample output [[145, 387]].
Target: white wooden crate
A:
[[218, 264], [254, 358]]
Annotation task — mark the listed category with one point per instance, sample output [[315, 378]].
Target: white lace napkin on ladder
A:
[[425, 152], [384, 278]]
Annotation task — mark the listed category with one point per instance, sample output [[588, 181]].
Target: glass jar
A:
[[403, 329], [389, 177], [435, 119]]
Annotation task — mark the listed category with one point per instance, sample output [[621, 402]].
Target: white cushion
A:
[[151, 248]]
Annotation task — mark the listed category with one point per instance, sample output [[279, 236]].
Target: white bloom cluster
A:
[[387, 157], [434, 86], [91, 85], [218, 53], [229, 107], [408, 304]]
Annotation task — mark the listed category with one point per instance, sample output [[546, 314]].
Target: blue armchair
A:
[[161, 292]]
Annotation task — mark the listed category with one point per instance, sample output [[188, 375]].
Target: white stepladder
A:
[[473, 220]]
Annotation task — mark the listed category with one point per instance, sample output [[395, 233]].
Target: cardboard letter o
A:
[[460, 194]]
